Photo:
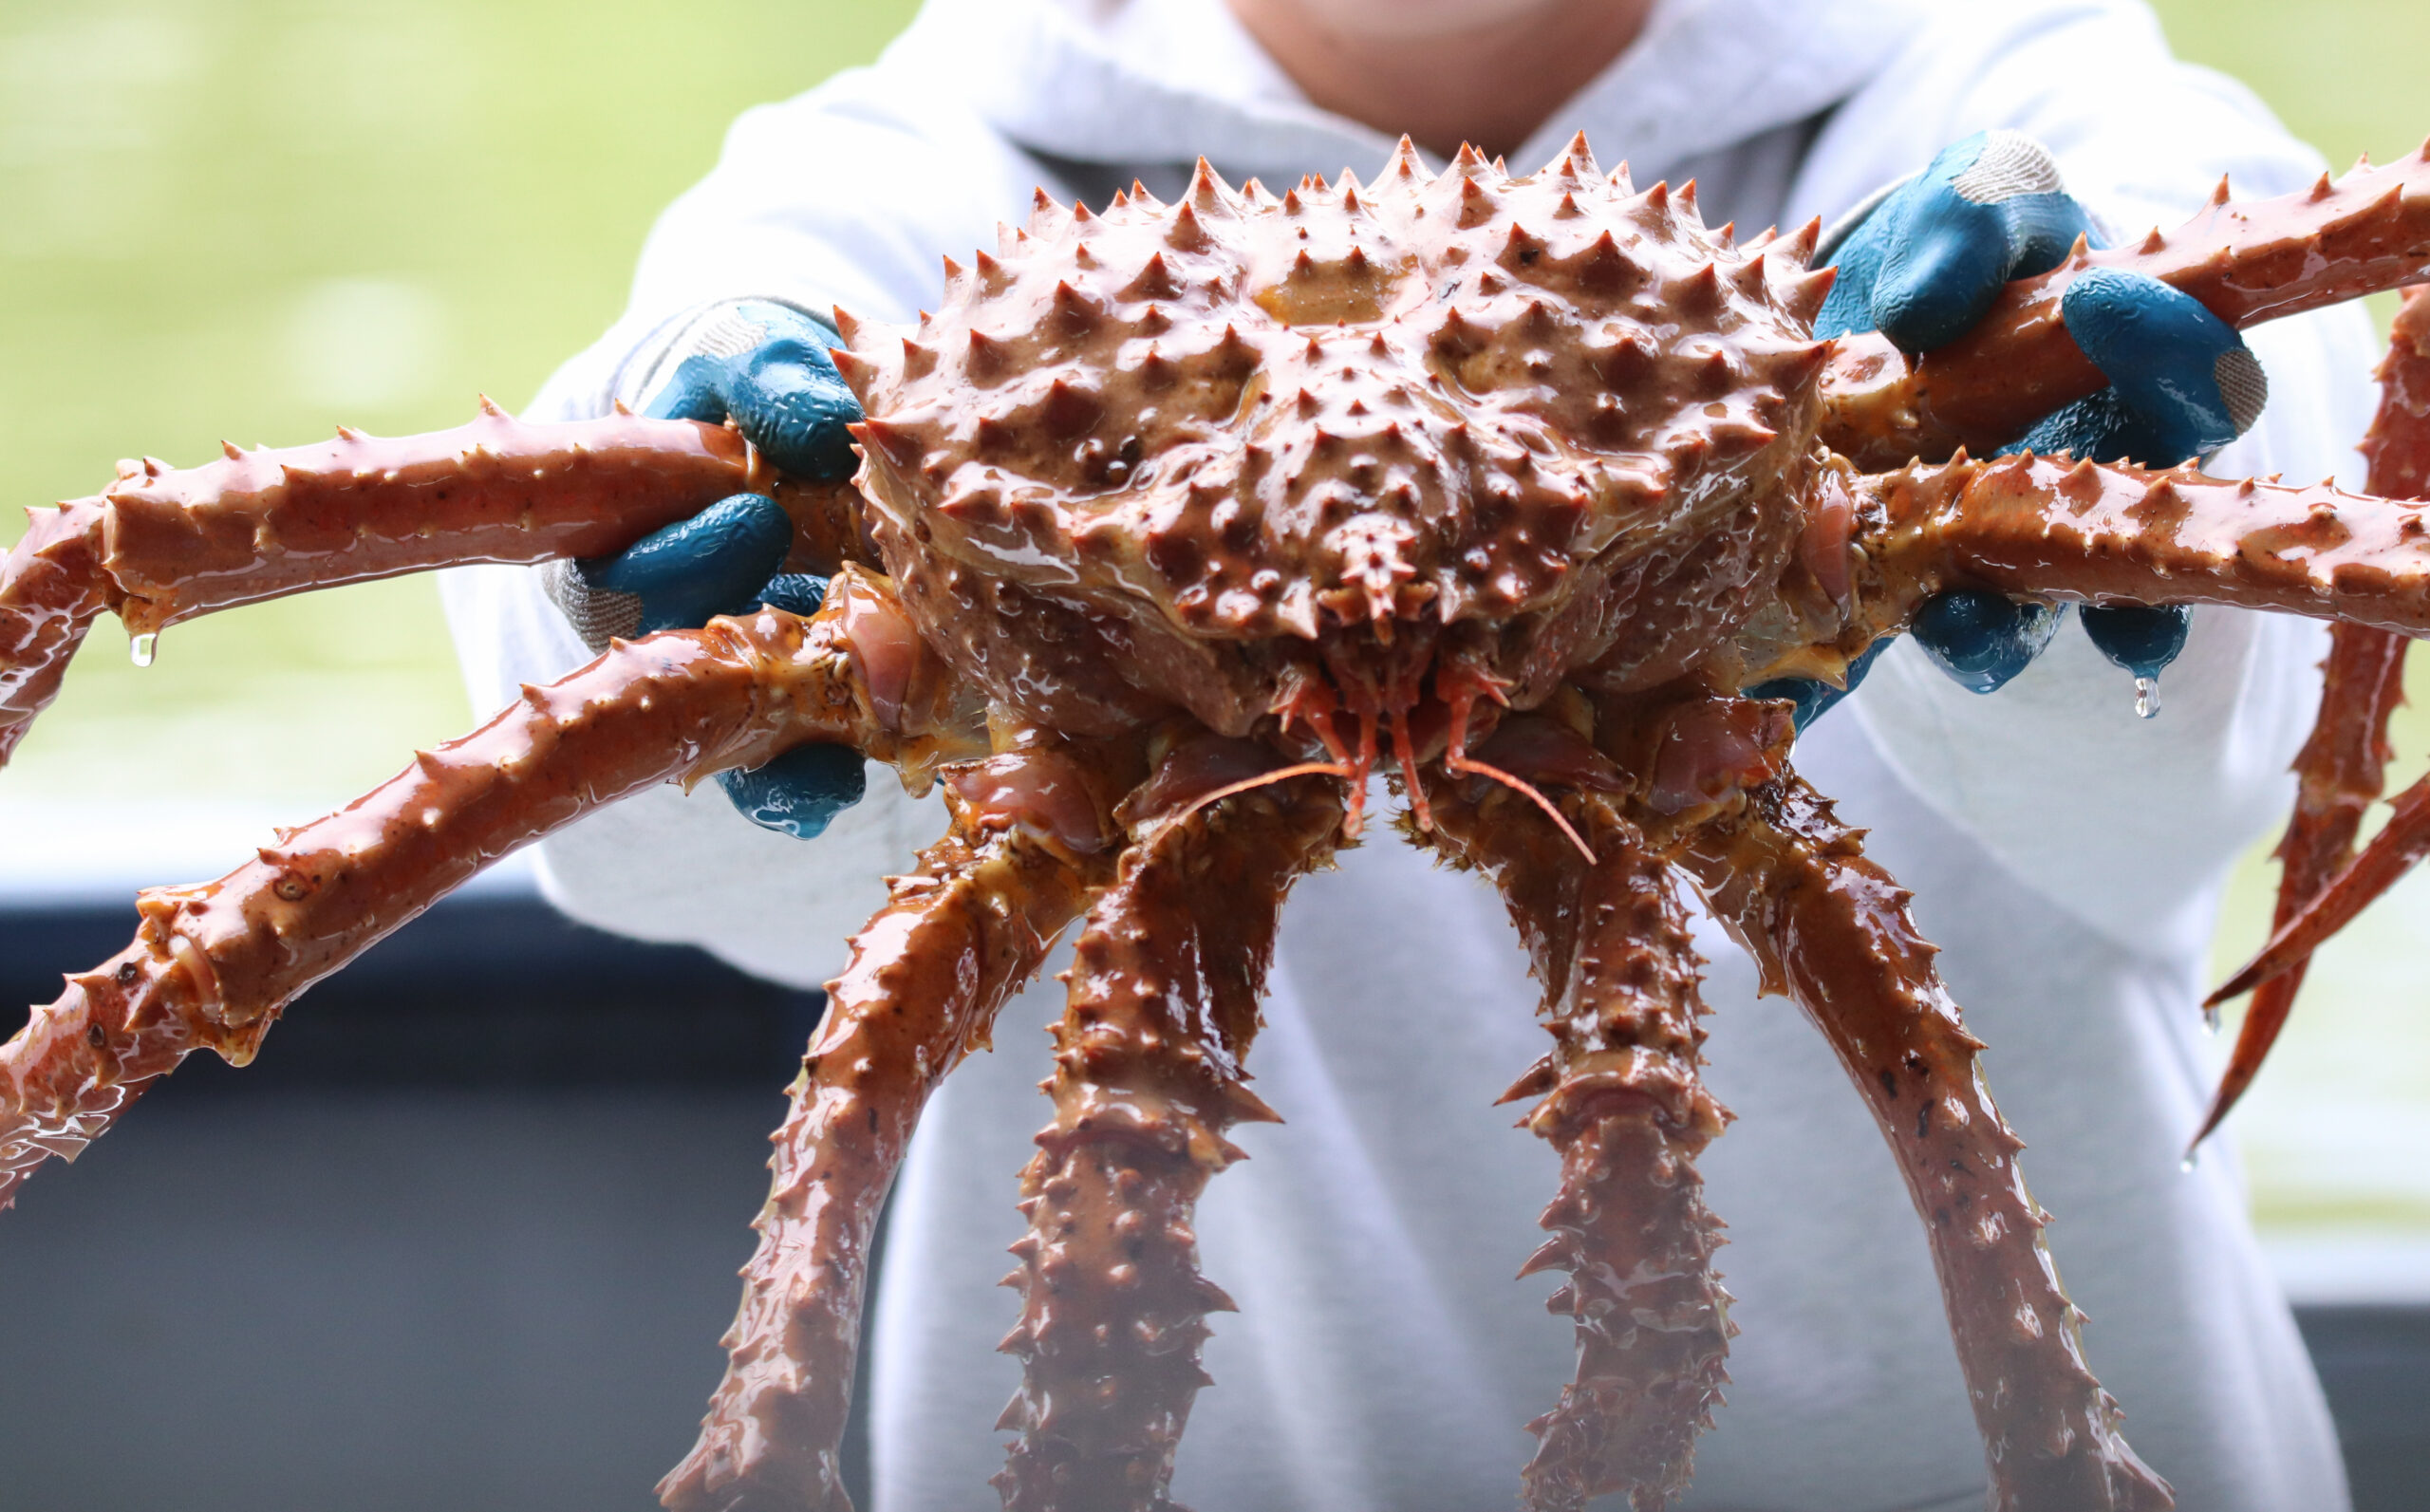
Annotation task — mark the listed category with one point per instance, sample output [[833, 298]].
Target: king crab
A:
[[1171, 525]]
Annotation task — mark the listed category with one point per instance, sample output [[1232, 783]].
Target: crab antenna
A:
[[1457, 759], [1407, 755], [1263, 780]]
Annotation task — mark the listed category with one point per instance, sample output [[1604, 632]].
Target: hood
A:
[[1164, 80]]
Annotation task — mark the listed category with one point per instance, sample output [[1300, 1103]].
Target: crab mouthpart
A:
[[1431, 703]]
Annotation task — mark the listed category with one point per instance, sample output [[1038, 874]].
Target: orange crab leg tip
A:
[[2342, 769], [2392, 853], [2344, 764], [2273, 1002], [2260, 1032], [2261, 968]]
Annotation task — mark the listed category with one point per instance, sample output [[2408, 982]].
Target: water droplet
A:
[[2211, 1016], [2147, 697], [2186, 1164], [141, 649]]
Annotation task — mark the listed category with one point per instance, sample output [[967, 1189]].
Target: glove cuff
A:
[[598, 615], [2244, 387]]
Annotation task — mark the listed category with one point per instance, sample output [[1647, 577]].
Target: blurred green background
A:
[[251, 219]]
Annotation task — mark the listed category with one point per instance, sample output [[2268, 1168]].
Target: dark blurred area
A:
[[465, 1237], [2375, 1361]]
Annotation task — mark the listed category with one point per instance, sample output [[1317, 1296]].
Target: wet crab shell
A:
[[1154, 457]]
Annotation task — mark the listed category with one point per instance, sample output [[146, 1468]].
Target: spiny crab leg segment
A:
[[2348, 753], [962, 932], [52, 588], [2051, 528], [162, 544], [1624, 1106], [1831, 929], [2247, 262], [2047, 528], [212, 965], [2342, 769], [1148, 1077]]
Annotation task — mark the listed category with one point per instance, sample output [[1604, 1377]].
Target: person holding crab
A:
[[2066, 854]]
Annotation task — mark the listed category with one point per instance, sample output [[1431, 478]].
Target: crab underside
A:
[[1172, 524]]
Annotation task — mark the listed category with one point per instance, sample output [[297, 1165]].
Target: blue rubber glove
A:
[[765, 367], [684, 575], [1922, 262], [802, 790]]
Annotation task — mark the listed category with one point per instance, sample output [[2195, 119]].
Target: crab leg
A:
[[165, 544], [959, 934], [2343, 768], [2398, 442], [212, 965], [2344, 762], [1831, 929], [1148, 1077], [1629, 1115], [52, 588], [2248, 262], [2051, 528], [2392, 853]]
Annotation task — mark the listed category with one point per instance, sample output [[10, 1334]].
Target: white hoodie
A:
[[2067, 855]]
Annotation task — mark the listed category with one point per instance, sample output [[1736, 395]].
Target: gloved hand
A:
[[765, 367], [1922, 262], [803, 790]]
